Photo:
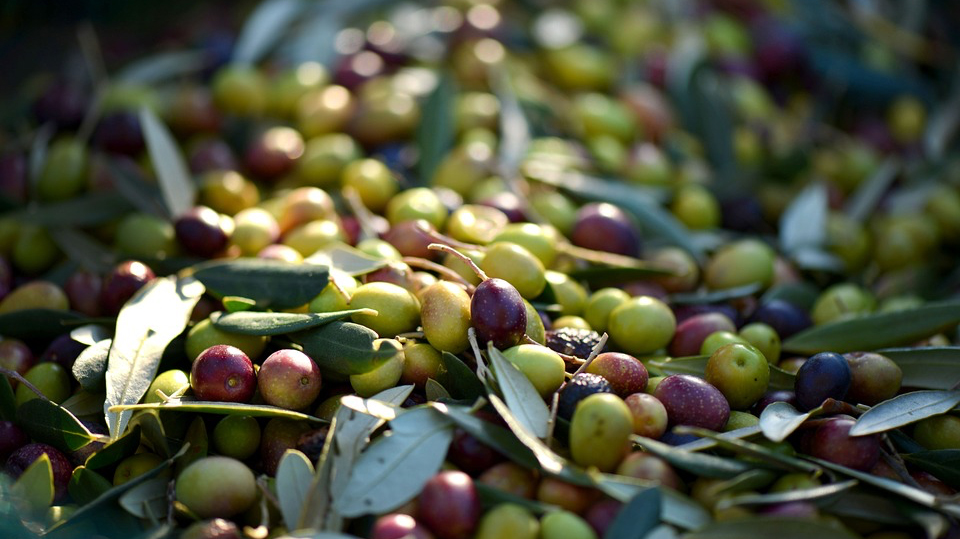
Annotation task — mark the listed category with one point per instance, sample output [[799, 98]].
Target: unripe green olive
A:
[[596, 115], [696, 207], [600, 431], [464, 167], [476, 224], [642, 325], [399, 310], [145, 236], [168, 382], [476, 109], [599, 306], [35, 295], [763, 338], [311, 237], [216, 487], [226, 191], [240, 90], [50, 378], [841, 302], [379, 248], [332, 298], [373, 181], [580, 67], [64, 171], [445, 316], [254, 229], [740, 263], [508, 521], [237, 436], [556, 208], [541, 365], [325, 157], [535, 329], [325, 110], [417, 203], [541, 241], [420, 363], [565, 525], [571, 322], [516, 265], [384, 376], [290, 86], [571, 296], [34, 250], [137, 465]]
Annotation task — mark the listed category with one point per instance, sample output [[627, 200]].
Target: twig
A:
[[466, 259], [447, 273], [19, 378], [482, 370]]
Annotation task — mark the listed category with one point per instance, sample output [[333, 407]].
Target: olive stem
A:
[[447, 273], [593, 353], [482, 370], [466, 259], [893, 458], [360, 211], [552, 422], [19, 377], [438, 237], [336, 286], [410, 335]]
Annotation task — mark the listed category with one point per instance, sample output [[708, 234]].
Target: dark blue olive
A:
[[580, 387], [784, 317], [824, 376]]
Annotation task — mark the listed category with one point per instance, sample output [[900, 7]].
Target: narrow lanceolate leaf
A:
[[778, 527], [495, 436], [905, 409], [90, 368], [821, 495], [85, 210], [549, 461], [435, 390], [265, 26], [877, 330], [294, 475], [271, 283], [637, 517], [179, 191], [676, 509], [147, 500], [87, 485], [942, 463], [83, 249], [162, 67], [697, 463], [155, 315], [780, 419], [393, 470], [861, 204], [49, 423], [935, 367], [116, 450], [757, 452], [344, 347], [350, 260], [258, 323], [514, 128], [436, 131], [803, 224], [459, 379], [37, 323], [34, 487], [90, 334], [521, 397], [220, 408]]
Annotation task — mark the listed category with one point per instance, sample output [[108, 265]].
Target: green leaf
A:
[[822, 495], [635, 519], [772, 527], [521, 397], [766, 456], [8, 400], [154, 433], [116, 450], [87, 485], [220, 408], [942, 463], [178, 190], [257, 323], [236, 304], [905, 409], [51, 424], [84, 250], [162, 67], [866, 504], [875, 331], [601, 276], [34, 488], [802, 294], [491, 496], [39, 324], [495, 436], [109, 497], [676, 508], [707, 443], [393, 470], [147, 500], [85, 210], [803, 225], [153, 317], [130, 182], [928, 367], [459, 379], [514, 128], [85, 403], [860, 205], [264, 27], [271, 283], [343, 347], [294, 475], [715, 296], [696, 463], [90, 367], [346, 258], [436, 131], [435, 391], [780, 419]]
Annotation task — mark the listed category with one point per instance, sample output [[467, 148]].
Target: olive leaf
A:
[[236, 304], [259, 323], [676, 509], [344, 347], [881, 330], [116, 450], [40, 324], [435, 133], [905, 409], [714, 296], [601, 276], [780, 419], [130, 182], [346, 258], [162, 67], [84, 404], [780, 527], [929, 367], [756, 452], [263, 29], [90, 367], [491, 496], [803, 224], [942, 463], [178, 190], [521, 397], [216, 407], [50, 423], [862, 202], [87, 485], [822, 495], [709, 443], [154, 432], [294, 475], [638, 517], [90, 334], [83, 249], [393, 470], [459, 379], [152, 318], [271, 283], [696, 463], [495, 436], [89, 209], [199, 443], [34, 487], [435, 390], [147, 500], [514, 127]]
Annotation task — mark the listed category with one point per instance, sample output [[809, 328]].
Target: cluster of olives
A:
[[292, 160]]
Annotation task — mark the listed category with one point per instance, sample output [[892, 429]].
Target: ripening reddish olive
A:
[[223, 373]]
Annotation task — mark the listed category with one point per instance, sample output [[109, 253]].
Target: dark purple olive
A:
[[605, 227], [120, 132], [200, 231], [825, 375], [498, 313], [63, 350], [784, 317]]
